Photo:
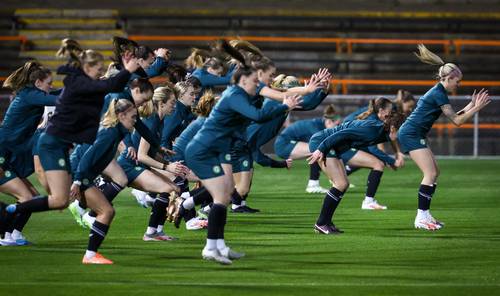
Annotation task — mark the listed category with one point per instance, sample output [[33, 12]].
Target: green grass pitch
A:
[[380, 252]]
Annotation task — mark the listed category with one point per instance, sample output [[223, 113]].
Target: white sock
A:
[[8, 236], [312, 183], [88, 218], [221, 244], [188, 204], [16, 234], [211, 244], [422, 213], [149, 198], [159, 228], [89, 254], [138, 193], [150, 230], [369, 199]]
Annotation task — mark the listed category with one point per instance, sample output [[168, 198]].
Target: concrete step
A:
[[56, 43], [57, 13], [50, 54], [75, 34], [68, 23]]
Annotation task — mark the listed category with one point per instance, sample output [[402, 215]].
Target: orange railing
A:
[[337, 41], [344, 83], [340, 43], [460, 42], [20, 38], [350, 41]]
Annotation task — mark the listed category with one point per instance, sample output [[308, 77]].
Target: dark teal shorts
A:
[[409, 139], [283, 147], [131, 168], [314, 142], [206, 162], [54, 153], [346, 156]]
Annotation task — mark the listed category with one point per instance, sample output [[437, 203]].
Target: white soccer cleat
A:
[[372, 205], [228, 253], [215, 255], [140, 197], [437, 222], [315, 189], [426, 223], [196, 223]]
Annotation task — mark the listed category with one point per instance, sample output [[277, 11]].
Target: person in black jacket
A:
[[76, 120]]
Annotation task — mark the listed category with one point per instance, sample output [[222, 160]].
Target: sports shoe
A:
[[251, 210], [140, 197], [228, 253], [202, 213], [88, 220], [8, 242], [437, 222], [372, 205], [426, 223], [196, 223], [244, 209], [21, 240], [316, 189], [97, 259], [157, 237], [216, 256], [327, 229], [76, 214]]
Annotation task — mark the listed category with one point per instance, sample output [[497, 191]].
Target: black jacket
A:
[[77, 115]]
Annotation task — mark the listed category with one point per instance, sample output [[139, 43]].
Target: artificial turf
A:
[[380, 252]]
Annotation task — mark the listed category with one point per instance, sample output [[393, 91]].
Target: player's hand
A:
[[75, 192], [131, 153], [292, 101], [317, 156], [289, 163]]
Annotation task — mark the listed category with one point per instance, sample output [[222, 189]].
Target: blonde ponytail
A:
[[146, 109], [197, 58], [445, 70], [116, 107]]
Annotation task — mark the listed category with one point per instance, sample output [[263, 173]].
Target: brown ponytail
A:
[[26, 75], [374, 106], [69, 47], [205, 104]]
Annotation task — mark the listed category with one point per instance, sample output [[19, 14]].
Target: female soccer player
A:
[[213, 141], [293, 141], [31, 85], [150, 174], [328, 145], [413, 133], [118, 121]]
